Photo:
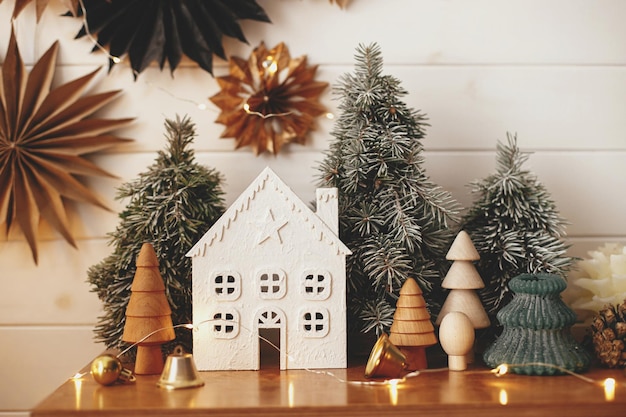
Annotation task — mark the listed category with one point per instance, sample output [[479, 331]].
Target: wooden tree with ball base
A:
[[412, 331], [148, 315], [463, 280]]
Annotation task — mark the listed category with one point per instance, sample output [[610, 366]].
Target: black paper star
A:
[[164, 30]]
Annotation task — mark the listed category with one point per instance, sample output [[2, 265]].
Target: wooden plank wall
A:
[[553, 71]]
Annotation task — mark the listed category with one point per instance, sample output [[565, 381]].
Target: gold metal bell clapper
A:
[[179, 371]]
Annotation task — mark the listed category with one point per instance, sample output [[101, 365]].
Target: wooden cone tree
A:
[[412, 331], [148, 311], [463, 280]]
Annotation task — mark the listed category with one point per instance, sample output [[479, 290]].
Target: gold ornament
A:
[[268, 100], [43, 134], [107, 370]]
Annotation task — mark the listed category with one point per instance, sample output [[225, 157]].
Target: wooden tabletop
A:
[[340, 392]]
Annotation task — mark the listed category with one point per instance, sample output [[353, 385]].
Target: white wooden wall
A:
[[551, 70]]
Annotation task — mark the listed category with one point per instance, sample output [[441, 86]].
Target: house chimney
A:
[[328, 207]]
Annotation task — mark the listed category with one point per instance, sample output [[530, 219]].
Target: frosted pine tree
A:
[[391, 215], [515, 226], [171, 205]]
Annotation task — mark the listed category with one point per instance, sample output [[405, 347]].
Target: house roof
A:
[[269, 181]]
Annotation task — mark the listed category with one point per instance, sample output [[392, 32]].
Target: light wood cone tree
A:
[[148, 312], [463, 280], [412, 331]]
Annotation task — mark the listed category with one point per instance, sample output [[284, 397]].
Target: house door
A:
[[271, 341]]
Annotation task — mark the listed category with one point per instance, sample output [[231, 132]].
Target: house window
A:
[[315, 322], [272, 284], [226, 285], [316, 285], [225, 324]]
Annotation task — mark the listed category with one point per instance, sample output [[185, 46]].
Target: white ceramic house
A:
[[271, 263]]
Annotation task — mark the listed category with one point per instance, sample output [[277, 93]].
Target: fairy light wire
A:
[[499, 371], [503, 369], [152, 333], [115, 59]]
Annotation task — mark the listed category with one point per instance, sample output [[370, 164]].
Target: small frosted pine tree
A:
[[171, 205], [515, 226], [392, 216]]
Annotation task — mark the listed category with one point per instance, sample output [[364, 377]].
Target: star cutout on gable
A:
[[270, 227]]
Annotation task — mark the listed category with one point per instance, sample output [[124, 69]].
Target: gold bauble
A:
[[107, 369]]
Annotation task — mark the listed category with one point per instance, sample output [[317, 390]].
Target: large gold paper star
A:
[[43, 133], [269, 100]]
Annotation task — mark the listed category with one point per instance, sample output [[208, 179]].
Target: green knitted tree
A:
[[392, 216], [536, 339], [171, 205], [515, 226]]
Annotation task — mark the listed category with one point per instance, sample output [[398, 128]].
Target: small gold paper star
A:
[[269, 100]]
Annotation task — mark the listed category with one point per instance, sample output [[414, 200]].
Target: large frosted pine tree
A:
[[392, 216], [171, 205]]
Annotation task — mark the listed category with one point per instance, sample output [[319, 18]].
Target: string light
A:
[[500, 370], [199, 105], [503, 369], [92, 38], [184, 325], [270, 65], [246, 108], [609, 384]]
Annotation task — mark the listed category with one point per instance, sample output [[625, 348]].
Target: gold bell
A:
[[108, 369], [179, 371], [386, 360]]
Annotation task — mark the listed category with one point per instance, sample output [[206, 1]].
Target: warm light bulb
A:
[[116, 59], [500, 370], [270, 64]]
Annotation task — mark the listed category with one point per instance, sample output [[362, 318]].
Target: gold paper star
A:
[[269, 100], [43, 134]]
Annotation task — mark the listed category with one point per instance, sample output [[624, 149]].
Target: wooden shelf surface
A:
[[339, 392]]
